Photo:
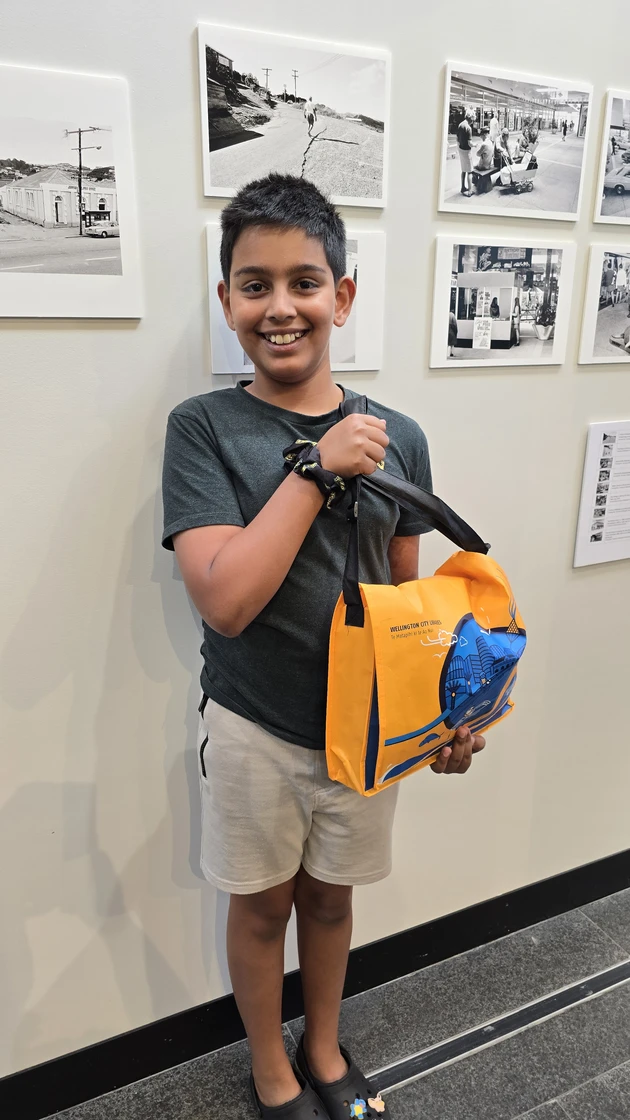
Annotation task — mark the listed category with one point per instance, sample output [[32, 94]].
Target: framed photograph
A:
[[297, 106], [603, 528], [512, 144], [613, 188], [606, 318], [68, 226], [501, 304], [358, 345]]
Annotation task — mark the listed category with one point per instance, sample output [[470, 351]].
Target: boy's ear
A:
[[224, 296], [346, 291]]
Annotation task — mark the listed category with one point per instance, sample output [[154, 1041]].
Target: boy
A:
[[262, 558]]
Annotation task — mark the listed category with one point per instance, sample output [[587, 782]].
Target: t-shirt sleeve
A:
[[196, 486], [419, 464]]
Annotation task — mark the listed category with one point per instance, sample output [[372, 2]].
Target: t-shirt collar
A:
[[299, 417]]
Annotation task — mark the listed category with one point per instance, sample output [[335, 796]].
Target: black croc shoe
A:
[[305, 1107], [350, 1098]]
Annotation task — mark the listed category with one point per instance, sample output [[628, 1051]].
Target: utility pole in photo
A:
[[295, 78], [82, 148], [266, 71]]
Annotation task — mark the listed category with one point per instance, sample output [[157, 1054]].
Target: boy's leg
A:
[[255, 942], [324, 922]]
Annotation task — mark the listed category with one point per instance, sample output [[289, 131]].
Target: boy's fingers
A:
[[439, 766], [462, 752], [478, 743], [376, 451], [459, 749]]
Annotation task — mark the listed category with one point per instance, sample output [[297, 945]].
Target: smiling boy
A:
[[262, 558]]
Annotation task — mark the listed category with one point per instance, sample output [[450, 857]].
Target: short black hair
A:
[[287, 202]]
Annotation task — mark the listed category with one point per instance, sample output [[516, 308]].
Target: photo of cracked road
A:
[[272, 104]]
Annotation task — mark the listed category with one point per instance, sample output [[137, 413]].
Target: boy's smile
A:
[[283, 302]]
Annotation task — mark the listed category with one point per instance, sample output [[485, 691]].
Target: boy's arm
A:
[[403, 559], [232, 572]]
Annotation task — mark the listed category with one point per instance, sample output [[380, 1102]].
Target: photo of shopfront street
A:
[[58, 198], [513, 146]]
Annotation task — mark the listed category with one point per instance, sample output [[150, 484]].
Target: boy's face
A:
[[283, 302]]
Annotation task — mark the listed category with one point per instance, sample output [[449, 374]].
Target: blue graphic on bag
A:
[[478, 676]]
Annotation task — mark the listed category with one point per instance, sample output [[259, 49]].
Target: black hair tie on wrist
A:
[[304, 459]]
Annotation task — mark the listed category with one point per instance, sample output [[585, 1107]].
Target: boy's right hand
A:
[[355, 445]]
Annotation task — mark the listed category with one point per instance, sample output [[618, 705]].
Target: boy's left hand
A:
[[457, 759]]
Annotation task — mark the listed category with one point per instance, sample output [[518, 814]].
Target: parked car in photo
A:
[[618, 181], [107, 229]]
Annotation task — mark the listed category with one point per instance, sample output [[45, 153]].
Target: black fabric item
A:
[[339, 1096], [433, 510], [305, 1107], [303, 457]]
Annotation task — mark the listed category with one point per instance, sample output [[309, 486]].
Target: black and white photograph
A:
[[58, 201], [297, 106], [358, 345], [68, 226], [613, 192], [513, 145], [606, 319], [499, 304]]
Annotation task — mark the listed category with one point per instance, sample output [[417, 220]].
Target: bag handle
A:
[[433, 510]]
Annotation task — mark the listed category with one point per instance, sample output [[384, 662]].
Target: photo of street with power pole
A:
[[58, 198], [513, 145], [274, 103]]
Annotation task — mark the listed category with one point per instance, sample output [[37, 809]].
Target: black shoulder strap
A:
[[433, 510]]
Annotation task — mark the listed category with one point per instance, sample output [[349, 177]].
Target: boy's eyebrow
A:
[[258, 270]]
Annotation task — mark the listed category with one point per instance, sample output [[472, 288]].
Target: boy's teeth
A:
[[284, 339]]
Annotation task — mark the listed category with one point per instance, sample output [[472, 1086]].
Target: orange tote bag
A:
[[409, 665]]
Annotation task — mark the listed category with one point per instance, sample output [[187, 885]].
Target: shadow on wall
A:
[[70, 884]]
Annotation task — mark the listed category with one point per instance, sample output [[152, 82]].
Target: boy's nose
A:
[[281, 307]]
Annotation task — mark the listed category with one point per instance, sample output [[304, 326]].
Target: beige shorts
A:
[[268, 808]]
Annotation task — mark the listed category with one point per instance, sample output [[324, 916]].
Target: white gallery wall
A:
[[105, 922]]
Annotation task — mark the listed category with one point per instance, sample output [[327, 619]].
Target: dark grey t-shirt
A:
[[223, 461]]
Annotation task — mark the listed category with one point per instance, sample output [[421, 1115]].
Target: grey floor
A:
[[575, 1066]]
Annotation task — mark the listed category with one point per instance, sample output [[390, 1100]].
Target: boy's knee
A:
[[266, 914], [322, 902]]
